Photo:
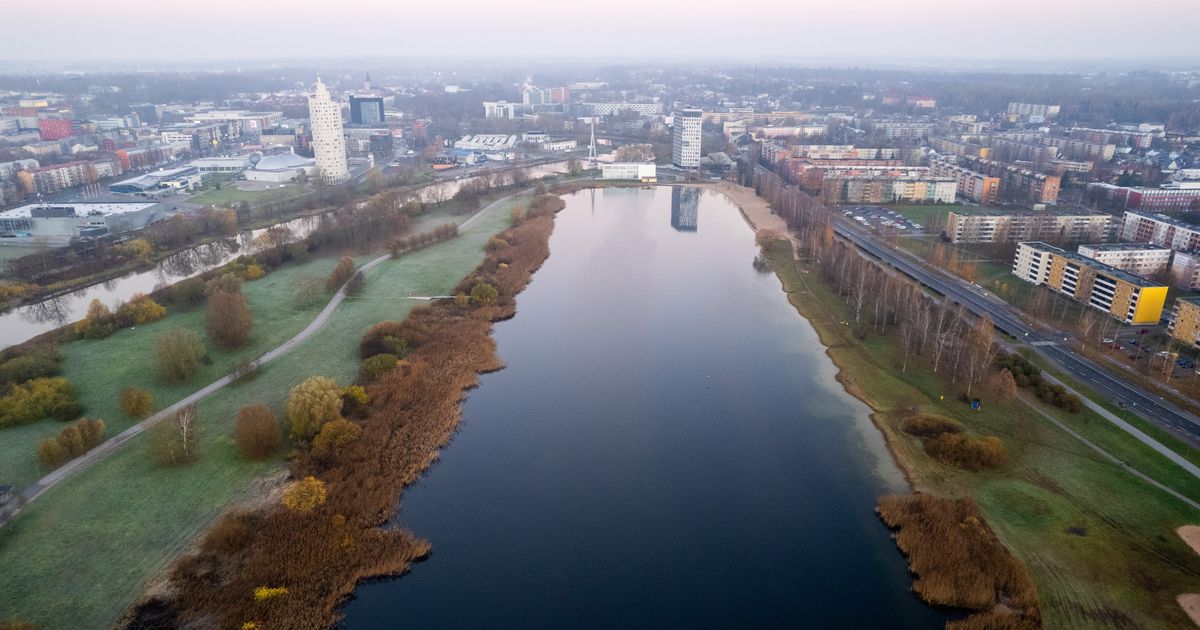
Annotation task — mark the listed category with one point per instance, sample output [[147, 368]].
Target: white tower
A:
[[329, 143]]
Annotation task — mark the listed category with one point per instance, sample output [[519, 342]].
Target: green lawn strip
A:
[[101, 368], [80, 554], [230, 194], [1162, 436], [1127, 565]]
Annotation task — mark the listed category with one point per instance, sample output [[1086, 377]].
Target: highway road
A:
[[1147, 405]]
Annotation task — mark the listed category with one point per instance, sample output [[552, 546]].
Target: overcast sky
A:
[[791, 31]]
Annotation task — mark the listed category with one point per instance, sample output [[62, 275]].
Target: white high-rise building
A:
[[685, 150], [329, 143]]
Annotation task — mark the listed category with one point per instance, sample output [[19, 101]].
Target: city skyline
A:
[[879, 32]]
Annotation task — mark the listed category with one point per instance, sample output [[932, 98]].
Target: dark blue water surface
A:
[[667, 447]]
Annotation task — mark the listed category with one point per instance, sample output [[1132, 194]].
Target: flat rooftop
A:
[[1125, 247], [81, 209], [1107, 270]]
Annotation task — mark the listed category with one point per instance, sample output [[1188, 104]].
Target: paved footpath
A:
[[30, 494]]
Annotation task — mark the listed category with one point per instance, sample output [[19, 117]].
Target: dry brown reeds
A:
[[945, 442], [414, 410], [959, 562]]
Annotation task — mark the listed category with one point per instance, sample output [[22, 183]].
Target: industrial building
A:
[[487, 142], [57, 224], [1009, 227], [1127, 297], [160, 183], [638, 171]]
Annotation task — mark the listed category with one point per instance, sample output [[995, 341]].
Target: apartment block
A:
[[1185, 320], [1167, 198], [1185, 270], [1068, 147], [1009, 227], [1127, 297], [972, 185], [1016, 183], [1142, 259], [49, 179], [1159, 229]]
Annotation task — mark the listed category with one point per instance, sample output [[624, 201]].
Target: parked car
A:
[[1109, 340], [1132, 342], [1143, 331]]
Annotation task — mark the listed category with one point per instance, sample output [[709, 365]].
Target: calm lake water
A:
[[667, 447]]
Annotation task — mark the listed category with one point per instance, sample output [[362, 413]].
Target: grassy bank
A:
[[80, 554], [318, 556], [1098, 542]]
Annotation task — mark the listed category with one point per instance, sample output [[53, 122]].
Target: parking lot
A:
[[1141, 348], [880, 219]]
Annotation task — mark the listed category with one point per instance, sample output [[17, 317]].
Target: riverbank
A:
[[1082, 525], [62, 575], [414, 411]]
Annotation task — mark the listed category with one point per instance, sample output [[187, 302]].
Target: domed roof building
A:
[[282, 167]]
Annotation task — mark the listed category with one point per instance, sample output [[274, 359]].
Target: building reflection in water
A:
[[685, 208]]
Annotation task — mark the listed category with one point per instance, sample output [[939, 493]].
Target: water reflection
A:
[[20, 324], [685, 208]]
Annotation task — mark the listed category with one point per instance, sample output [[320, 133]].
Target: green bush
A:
[[377, 366], [38, 399], [37, 364]]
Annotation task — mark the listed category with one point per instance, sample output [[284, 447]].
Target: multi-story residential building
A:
[[1016, 183], [1142, 259], [972, 185], [1177, 197], [842, 152], [8, 169], [1185, 320], [810, 172], [1012, 150], [329, 140], [612, 109], [685, 147], [1068, 147], [1127, 297], [1033, 109], [1185, 270], [1009, 227], [502, 110], [951, 146], [1135, 139], [49, 179], [246, 121], [904, 129], [1148, 227], [887, 189]]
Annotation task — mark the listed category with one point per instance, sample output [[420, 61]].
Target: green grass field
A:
[[229, 194], [1099, 542], [85, 550], [930, 215]]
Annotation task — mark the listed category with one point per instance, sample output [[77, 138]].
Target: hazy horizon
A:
[[921, 32]]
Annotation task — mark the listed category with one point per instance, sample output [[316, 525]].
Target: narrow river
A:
[[667, 447]]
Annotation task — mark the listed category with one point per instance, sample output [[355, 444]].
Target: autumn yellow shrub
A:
[[304, 495]]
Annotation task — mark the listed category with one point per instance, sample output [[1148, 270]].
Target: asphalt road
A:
[[1149, 406]]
